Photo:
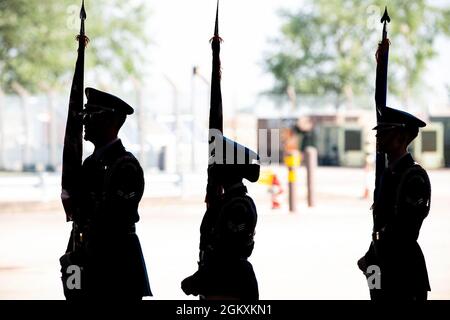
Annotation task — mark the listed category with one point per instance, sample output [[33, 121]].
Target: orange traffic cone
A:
[[275, 190], [367, 182]]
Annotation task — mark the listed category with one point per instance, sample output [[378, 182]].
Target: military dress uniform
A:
[[227, 238], [226, 241], [107, 247], [402, 202]]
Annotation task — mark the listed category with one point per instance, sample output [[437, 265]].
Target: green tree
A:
[[38, 47], [328, 47]]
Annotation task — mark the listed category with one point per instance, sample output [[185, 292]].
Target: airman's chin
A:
[[86, 138], [379, 149]]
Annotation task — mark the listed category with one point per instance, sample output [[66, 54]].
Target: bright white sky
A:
[[181, 29]]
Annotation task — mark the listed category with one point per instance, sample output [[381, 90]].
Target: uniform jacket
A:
[[226, 241], [112, 184], [401, 204]]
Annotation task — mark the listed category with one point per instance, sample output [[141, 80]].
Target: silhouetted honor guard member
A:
[[228, 227], [401, 203], [71, 171], [111, 184]]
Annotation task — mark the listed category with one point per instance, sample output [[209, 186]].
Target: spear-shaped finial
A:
[[385, 18], [82, 34], [216, 27], [82, 12], [216, 38]]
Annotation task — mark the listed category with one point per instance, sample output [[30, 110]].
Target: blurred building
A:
[[171, 139], [346, 139]]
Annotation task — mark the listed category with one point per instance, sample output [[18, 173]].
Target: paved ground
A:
[[308, 255]]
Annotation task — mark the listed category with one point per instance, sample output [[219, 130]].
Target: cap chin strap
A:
[[100, 107], [389, 125], [234, 186]]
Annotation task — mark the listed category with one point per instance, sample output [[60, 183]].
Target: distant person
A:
[[111, 185], [226, 234], [402, 202], [305, 130]]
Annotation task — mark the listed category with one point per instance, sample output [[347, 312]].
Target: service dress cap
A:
[[243, 161], [97, 98], [393, 118]]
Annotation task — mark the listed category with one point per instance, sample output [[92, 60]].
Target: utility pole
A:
[[193, 92], [2, 132], [26, 152], [51, 128], [196, 74], [140, 122], [176, 112]]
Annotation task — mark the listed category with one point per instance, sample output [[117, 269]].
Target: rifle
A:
[[382, 57], [213, 189]]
